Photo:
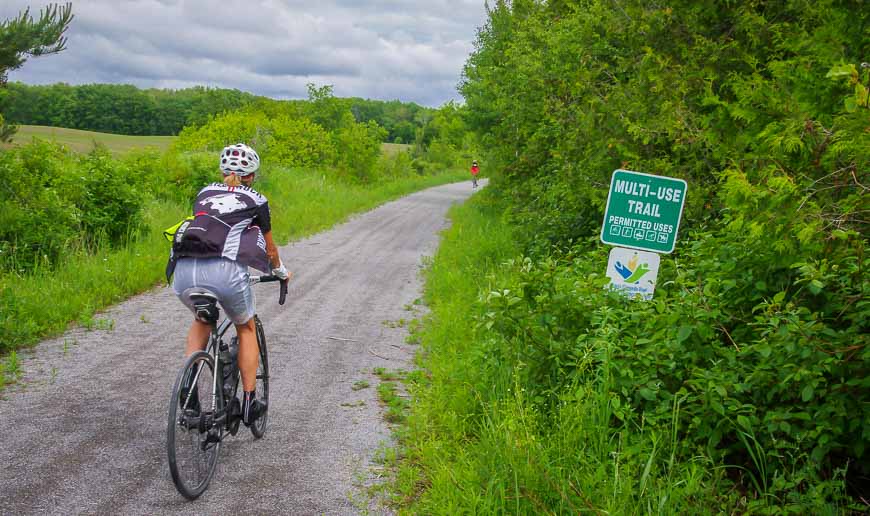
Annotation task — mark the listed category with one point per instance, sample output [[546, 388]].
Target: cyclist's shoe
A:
[[252, 409]]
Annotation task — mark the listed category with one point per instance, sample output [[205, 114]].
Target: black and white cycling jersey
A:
[[229, 222]]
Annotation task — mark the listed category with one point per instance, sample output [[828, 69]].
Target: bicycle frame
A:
[[213, 348]]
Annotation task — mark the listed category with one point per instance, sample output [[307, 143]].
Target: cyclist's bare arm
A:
[[271, 249]]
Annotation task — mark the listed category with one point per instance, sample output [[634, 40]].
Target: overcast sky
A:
[[382, 49]]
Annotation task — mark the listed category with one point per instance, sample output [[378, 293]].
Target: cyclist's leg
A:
[[197, 337], [237, 299], [249, 354], [183, 281], [249, 359]]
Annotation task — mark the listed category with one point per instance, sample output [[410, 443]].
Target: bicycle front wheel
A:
[[192, 438], [259, 426]]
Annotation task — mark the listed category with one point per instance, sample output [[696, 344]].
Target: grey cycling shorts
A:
[[227, 279]]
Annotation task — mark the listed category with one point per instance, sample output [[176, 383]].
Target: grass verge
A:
[[43, 303]]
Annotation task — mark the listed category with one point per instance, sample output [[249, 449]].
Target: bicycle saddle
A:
[[205, 306]]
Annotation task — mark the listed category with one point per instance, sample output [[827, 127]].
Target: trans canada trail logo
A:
[[633, 272]]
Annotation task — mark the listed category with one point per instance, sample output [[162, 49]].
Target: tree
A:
[[23, 37]]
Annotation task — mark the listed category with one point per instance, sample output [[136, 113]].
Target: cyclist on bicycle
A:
[[474, 171], [231, 231]]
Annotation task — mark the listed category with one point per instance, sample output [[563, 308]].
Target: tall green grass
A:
[[474, 443], [44, 302]]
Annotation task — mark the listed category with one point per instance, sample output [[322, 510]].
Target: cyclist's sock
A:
[[249, 412]]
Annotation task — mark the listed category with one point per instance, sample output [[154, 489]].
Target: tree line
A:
[[126, 109]]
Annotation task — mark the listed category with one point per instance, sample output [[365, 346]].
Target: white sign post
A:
[[633, 272]]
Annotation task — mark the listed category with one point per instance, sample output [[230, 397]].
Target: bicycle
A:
[[198, 423]]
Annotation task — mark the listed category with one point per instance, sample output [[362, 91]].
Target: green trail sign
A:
[[643, 211]]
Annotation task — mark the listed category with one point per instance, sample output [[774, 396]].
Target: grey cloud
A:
[[378, 49]]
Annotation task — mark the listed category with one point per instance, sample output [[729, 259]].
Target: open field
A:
[[83, 141]]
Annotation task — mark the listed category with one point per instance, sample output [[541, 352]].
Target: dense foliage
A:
[[754, 355], [55, 201]]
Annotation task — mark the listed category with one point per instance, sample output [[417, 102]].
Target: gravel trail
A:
[[84, 432]]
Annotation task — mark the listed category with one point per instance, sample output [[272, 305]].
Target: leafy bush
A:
[[222, 130], [108, 196], [299, 143], [31, 198], [285, 140], [53, 199], [359, 148], [173, 176]]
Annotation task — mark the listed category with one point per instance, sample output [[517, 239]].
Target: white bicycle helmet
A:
[[239, 159]]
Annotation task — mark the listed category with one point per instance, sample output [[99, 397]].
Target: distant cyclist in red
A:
[[474, 171]]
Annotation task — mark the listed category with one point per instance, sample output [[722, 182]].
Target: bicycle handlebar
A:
[[266, 279]]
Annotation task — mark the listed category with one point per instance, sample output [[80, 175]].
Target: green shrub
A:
[[293, 141], [32, 197], [359, 148], [54, 201], [108, 196], [222, 130], [298, 143]]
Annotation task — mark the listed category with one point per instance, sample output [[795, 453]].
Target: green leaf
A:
[[683, 333], [744, 422], [816, 286], [861, 94], [778, 297], [847, 70], [807, 393], [851, 104]]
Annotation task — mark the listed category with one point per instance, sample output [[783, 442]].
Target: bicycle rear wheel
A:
[[192, 438], [259, 426]]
